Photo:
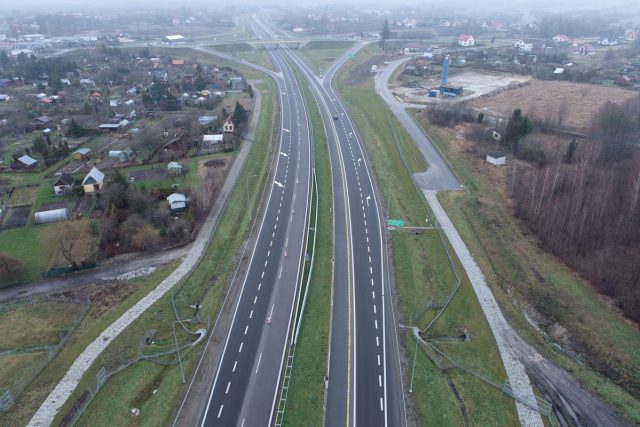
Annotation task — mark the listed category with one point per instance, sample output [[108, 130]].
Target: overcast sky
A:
[[115, 6]]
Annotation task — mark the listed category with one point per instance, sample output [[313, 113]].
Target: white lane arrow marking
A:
[[270, 314], [284, 154], [367, 199], [359, 160], [285, 130], [278, 184]]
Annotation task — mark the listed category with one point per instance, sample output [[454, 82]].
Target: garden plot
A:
[[23, 196], [17, 216], [58, 204], [148, 174]]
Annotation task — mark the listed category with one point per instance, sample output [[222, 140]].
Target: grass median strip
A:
[[424, 276], [320, 54], [306, 390]]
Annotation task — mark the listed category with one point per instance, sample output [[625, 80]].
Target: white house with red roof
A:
[[466, 40], [560, 38]]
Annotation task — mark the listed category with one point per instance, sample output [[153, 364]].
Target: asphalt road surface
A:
[[246, 383], [438, 175], [364, 381]]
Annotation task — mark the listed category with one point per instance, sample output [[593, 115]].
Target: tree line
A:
[[584, 204]]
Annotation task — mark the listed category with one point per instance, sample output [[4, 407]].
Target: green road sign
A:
[[395, 223]]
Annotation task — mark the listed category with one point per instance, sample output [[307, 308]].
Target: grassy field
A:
[[40, 324], [30, 332], [542, 99], [321, 54], [20, 243], [246, 52], [519, 269], [109, 303], [306, 389], [423, 274], [206, 285]]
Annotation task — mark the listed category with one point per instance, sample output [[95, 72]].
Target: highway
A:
[[364, 381], [246, 382]]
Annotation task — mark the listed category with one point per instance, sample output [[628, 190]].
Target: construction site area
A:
[[467, 85]]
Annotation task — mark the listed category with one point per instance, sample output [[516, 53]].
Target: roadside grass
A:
[[17, 368], [321, 54], [423, 274], [205, 285], [30, 333], [110, 304], [38, 324], [20, 243], [519, 270], [246, 52], [305, 400], [232, 47], [258, 57]]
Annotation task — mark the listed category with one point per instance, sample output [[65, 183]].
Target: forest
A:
[[584, 204]]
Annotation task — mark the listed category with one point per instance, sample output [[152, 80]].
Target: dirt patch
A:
[[17, 216], [74, 166], [215, 163], [540, 98], [141, 175], [474, 84], [58, 204], [214, 170], [104, 296], [23, 196]]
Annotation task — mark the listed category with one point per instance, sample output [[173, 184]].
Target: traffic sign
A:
[[395, 223]]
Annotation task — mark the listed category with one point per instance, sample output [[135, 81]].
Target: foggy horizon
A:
[[115, 6]]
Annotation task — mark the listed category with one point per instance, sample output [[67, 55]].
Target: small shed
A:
[[54, 215], [496, 158], [205, 120], [63, 184], [174, 168], [81, 153], [177, 201], [93, 182], [125, 155], [210, 140], [24, 162]]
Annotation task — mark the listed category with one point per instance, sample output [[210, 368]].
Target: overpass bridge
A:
[[277, 44]]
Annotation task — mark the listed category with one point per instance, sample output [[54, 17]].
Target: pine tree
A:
[[384, 34]]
